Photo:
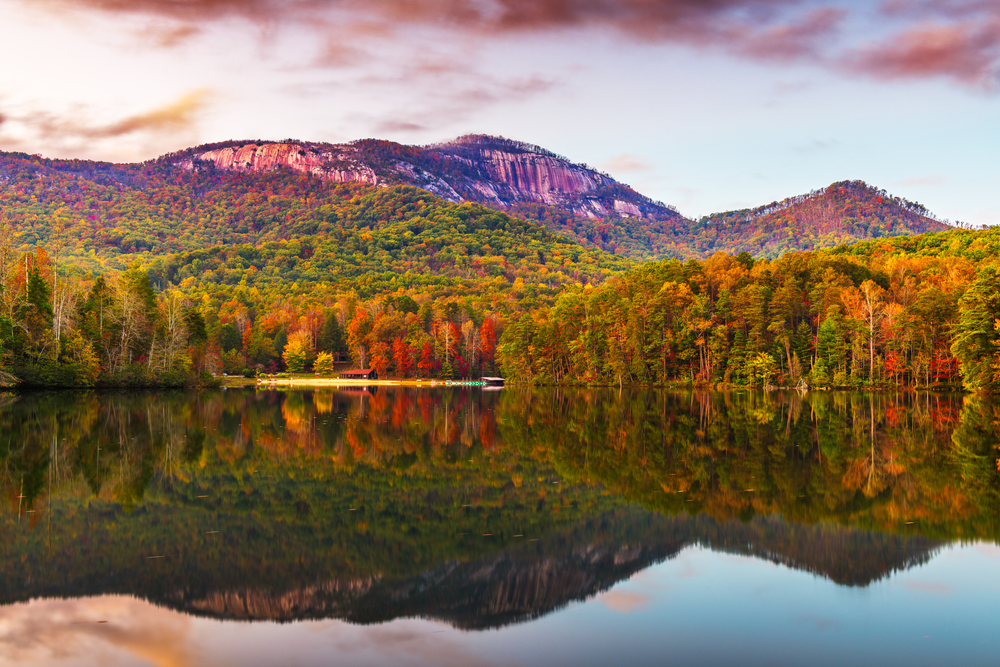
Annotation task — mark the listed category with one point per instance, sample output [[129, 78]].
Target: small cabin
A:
[[360, 374], [493, 382]]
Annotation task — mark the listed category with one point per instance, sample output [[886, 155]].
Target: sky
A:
[[708, 105]]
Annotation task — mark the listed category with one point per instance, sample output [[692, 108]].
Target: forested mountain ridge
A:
[[522, 179], [844, 212], [572, 199], [254, 192]]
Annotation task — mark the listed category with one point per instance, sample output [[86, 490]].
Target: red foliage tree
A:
[[461, 366], [427, 362], [488, 342], [381, 358], [402, 357]]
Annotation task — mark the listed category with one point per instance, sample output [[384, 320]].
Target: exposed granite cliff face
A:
[[266, 157], [489, 170]]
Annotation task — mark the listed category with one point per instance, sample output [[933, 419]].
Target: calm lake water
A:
[[467, 527]]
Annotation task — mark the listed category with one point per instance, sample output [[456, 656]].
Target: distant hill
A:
[[841, 213]]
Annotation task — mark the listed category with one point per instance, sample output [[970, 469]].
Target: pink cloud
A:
[[795, 40], [934, 179], [968, 52]]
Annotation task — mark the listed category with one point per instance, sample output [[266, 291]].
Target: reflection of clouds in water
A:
[[928, 587], [408, 642], [44, 631], [651, 579], [624, 602], [686, 561], [991, 551], [68, 632]]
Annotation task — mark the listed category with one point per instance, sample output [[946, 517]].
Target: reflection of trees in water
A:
[[118, 443], [877, 460]]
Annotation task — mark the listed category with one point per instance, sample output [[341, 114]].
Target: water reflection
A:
[[908, 463], [478, 508]]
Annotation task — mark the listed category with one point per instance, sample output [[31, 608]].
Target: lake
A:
[[463, 526]]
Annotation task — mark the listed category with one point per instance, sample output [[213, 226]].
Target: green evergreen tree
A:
[[829, 343], [976, 342], [331, 335]]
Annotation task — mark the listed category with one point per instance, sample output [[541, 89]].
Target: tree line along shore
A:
[[919, 311]]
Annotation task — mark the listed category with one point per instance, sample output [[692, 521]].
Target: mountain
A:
[[841, 213], [256, 192], [493, 171], [526, 582], [522, 179], [99, 215], [572, 199]]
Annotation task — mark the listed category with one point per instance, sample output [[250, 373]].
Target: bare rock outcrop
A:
[[493, 171]]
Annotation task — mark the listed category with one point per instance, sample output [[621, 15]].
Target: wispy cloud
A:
[[934, 179], [465, 94], [179, 115], [174, 117], [968, 52], [815, 146], [639, 16], [804, 38], [60, 133]]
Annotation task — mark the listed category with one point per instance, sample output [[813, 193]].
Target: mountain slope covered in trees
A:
[[99, 214], [844, 212], [578, 201]]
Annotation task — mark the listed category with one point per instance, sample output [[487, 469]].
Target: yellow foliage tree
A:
[[298, 351]]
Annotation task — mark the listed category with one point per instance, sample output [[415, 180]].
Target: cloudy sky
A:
[[704, 104]]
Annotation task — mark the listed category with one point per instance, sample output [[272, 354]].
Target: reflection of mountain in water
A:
[[526, 582], [847, 556], [522, 581]]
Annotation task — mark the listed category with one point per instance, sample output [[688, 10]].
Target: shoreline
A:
[[338, 382]]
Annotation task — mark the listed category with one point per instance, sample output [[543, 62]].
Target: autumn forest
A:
[[150, 275]]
